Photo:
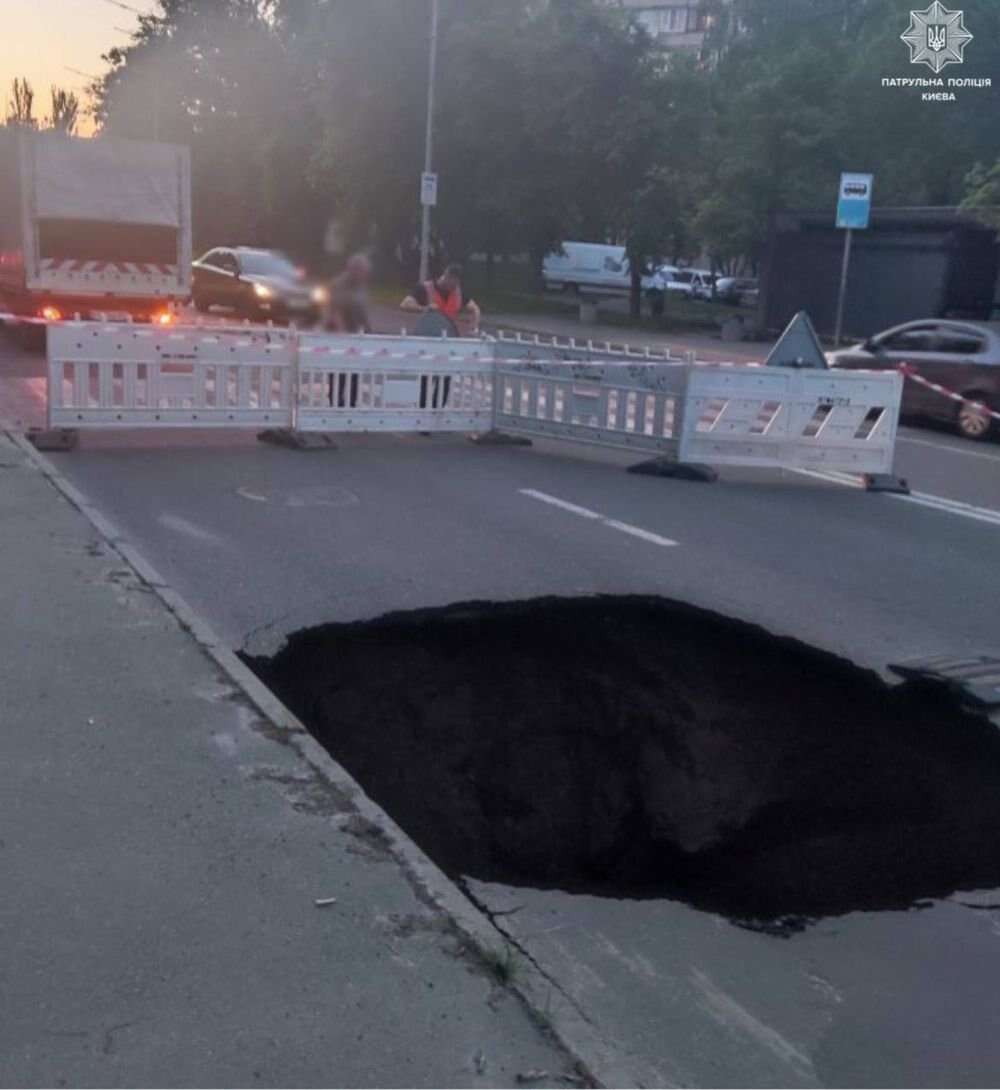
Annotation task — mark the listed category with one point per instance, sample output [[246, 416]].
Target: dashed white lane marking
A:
[[833, 478], [586, 513], [921, 499]]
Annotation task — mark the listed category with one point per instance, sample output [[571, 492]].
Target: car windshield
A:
[[268, 263], [684, 277]]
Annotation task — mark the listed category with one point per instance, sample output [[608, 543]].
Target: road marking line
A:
[[637, 531], [583, 512], [826, 475], [948, 447], [955, 507], [921, 499], [586, 513]]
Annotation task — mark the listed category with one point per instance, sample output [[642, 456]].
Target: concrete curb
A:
[[596, 1058]]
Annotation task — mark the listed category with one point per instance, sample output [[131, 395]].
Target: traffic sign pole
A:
[[854, 204], [845, 265]]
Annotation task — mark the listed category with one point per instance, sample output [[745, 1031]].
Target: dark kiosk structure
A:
[[910, 263]]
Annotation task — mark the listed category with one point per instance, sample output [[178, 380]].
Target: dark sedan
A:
[[255, 284], [963, 357]]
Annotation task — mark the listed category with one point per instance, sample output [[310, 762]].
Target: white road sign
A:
[[429, 190]]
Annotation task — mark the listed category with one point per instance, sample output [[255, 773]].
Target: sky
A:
[[43, 39]]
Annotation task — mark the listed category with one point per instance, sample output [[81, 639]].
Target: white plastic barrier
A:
[[783, 417], [122, 375], [633, 406], [513, 343], [119, 375], [373, 383]]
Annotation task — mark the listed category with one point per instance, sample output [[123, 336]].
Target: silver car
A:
[[962, 357]]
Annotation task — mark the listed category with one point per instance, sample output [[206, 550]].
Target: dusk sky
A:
[[42, 39]]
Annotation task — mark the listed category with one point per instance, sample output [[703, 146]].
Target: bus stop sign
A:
[[854, 204]]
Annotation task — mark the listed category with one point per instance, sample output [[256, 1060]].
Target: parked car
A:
[[964, 357], [697, 283], [737, 290], [255, 284], [692, 283], [591, 268]]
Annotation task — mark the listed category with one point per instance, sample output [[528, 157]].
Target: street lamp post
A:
[[425, 227]]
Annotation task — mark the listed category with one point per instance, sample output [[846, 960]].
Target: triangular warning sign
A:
[[798, 346]]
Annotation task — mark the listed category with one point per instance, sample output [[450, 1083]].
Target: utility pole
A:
[[425, 227]]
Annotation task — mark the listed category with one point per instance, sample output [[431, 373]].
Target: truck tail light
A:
[[51, 314]]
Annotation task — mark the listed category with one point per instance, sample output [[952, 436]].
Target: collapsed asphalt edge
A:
[[550, 1007]]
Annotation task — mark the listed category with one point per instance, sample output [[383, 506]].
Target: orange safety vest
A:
[[450, 305]]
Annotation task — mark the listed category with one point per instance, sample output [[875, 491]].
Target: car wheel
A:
[[972, 422]]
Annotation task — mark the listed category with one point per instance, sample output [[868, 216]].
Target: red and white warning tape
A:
[[916, 377]]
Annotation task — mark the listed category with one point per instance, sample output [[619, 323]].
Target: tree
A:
[[555, 119], [65, 111], [20, 105], [216, 75], [982, 194], [665, 132]]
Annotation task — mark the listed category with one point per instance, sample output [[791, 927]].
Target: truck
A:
[[96, 227]]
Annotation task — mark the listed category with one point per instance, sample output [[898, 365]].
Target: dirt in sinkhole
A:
[[632, 746]]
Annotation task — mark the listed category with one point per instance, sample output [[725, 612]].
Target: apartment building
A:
[[674, 24]]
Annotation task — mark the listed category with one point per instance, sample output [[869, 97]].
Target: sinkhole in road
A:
[[631, 746]]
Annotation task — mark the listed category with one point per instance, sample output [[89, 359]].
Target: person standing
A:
[[445, 296], [347, 308], [347, 312]]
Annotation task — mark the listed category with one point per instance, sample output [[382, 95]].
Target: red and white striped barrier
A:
[[55, 266], [915, 376]]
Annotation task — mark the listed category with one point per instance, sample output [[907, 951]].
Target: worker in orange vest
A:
[[445, 296]]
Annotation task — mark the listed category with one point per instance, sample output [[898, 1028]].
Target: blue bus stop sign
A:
[[854, 203]]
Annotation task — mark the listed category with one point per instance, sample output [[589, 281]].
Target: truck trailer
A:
[[93, 226]]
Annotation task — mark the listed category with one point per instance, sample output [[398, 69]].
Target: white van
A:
[[591, 268]]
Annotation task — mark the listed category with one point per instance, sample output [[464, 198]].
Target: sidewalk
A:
[[163, 845]]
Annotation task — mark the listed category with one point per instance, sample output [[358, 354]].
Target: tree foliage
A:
[[555, 119], [21, 105], [798, 98], [982, 194], [64, 115], [65, 110]]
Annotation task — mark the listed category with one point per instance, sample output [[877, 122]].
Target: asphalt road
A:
[[263, 541], [266, 541]]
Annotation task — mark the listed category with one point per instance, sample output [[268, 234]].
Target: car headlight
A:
[[262, 291], [319, 295]]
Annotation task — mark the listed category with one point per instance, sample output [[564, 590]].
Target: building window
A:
[[672, 20]]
